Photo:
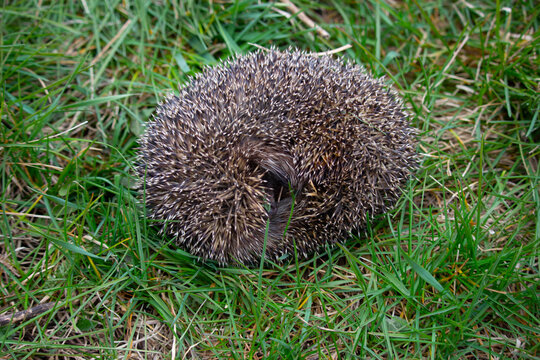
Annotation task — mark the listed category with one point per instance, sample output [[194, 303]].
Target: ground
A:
[[451, 273]]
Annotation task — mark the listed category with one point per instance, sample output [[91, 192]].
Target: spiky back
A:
[[219, 161]]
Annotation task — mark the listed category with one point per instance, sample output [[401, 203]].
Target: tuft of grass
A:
[[451, 273]]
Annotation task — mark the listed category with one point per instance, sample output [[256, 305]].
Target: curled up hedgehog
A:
[[271, 151]]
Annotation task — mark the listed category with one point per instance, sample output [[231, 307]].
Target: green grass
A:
[[451, 273]]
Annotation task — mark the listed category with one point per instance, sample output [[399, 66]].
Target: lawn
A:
[[452, 272]]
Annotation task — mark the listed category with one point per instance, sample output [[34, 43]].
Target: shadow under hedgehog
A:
[[272, 150]]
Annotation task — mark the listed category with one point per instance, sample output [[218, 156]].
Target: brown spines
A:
[[245, 140]]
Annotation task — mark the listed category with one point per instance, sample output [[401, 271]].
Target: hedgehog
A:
[[272, 153]]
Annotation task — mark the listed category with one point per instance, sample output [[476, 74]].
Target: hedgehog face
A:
[[224, 162]]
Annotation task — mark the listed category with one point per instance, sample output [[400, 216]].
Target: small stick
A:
[[329, 52], [259, 47], [339, 49], [305, 19], [12, 318]]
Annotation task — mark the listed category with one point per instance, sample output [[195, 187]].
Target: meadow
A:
[[452, 272]]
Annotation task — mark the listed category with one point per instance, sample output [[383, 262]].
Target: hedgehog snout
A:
[[279, 177]]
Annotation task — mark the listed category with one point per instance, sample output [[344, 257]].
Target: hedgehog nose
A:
[[284, 189], [280, 177], [281, 196], [279, 188]]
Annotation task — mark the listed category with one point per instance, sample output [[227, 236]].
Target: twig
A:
[[259, 47], [329, 52], [305, 19], [23, 315], [333, 51]]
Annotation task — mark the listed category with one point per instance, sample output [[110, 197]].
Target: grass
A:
[[451, 273]]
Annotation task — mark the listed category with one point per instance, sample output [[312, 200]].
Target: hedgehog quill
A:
[[273, 150]]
